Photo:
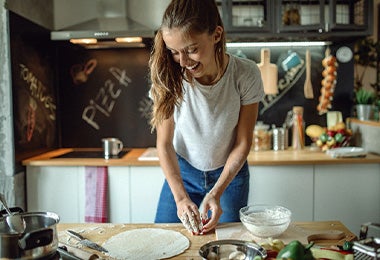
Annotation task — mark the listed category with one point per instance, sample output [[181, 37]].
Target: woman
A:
[[205, 106]]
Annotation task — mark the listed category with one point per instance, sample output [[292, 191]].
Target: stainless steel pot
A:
[[39, 240]]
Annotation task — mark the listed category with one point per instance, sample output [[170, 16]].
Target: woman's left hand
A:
[[210, 203]]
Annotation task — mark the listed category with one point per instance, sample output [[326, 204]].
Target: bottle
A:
[[298, 129]]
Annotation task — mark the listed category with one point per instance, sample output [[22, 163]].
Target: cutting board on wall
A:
[[269, 72], [296, 231]]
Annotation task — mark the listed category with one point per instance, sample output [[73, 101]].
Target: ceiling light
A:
[[129, 39], [84, 41], [277, 44]]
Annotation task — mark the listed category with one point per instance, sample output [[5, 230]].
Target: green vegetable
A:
[[347, 245], [339, 137], [296, 251], [324, 137]]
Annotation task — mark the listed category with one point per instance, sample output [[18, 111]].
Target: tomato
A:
[[331, 133], [341, 131]]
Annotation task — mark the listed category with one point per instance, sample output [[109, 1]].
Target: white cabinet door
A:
[[119, 187], [289, 186], [349, 193], [56, 189], [146, 184]]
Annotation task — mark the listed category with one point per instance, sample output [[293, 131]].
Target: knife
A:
[[86, 242]]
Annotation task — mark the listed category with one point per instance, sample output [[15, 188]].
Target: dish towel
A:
[[96, 178]]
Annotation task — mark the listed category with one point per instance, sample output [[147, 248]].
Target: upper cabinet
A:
[[297, 19]]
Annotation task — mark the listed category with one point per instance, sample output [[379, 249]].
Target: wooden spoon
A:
[[308, 87]]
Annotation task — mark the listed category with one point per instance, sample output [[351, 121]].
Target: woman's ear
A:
[[218, 33]]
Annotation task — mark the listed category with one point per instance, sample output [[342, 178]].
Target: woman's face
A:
[[194, 52]]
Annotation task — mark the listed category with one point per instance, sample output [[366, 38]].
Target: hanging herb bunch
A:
[[366, 55]]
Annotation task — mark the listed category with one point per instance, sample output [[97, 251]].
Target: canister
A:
[[280, 138]]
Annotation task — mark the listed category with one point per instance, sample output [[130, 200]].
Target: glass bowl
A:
[[265, 220]]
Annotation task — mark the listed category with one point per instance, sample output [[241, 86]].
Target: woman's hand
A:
[[210, 203], [189, 215]]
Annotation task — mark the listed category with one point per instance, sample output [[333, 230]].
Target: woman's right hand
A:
[[190, 216]]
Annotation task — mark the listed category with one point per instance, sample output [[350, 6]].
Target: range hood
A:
[[104, 28], [109, 24]]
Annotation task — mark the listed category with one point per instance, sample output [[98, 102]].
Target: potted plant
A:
[[364, 103], [367, 56]]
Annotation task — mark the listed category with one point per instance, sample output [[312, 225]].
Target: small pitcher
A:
[[112, 147]]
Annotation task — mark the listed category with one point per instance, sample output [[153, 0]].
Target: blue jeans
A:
[[197, 184]]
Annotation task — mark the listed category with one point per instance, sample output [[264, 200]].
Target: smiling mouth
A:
[[192, 67]]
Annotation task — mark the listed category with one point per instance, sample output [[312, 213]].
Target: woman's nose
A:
[[183, 59]]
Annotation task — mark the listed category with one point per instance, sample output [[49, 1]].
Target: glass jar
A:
[[262, 137]]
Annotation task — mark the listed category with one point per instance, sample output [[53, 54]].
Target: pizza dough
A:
[[146, 243]]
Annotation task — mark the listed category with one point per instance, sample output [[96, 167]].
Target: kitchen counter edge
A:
[[287, 157]]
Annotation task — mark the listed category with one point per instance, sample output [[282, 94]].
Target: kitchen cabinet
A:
[[146, 184], [282, 185], [133, 192], [314, 192], [119, 194], [56, 189], [349, 193], [247, 16], [319, 19]]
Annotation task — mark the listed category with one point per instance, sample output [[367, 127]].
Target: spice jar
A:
[[298, 129], [262, 137]]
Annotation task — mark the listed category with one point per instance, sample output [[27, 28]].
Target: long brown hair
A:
[[191, 16]]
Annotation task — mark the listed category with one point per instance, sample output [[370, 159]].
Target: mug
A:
[[111, 146]]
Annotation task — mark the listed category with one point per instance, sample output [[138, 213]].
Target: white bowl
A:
[[265, 220]]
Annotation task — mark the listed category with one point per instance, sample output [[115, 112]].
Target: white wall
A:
[[11, 184]]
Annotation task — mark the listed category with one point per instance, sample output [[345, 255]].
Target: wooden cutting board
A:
[[296, 231], [269, 72]]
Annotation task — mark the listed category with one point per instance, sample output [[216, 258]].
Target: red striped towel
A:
[[96, 178]]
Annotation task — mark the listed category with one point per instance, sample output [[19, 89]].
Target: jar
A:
[[262, 137]]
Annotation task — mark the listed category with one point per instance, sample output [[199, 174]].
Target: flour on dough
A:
[[146, 243]]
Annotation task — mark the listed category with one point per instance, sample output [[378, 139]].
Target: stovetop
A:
[[91, 154]]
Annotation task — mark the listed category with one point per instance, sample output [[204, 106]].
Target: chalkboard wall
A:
[[104, 93], [33, 88]]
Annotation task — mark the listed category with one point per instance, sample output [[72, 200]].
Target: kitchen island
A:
[[315, 186], [99, 233]]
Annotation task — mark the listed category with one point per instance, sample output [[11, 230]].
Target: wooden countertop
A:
[[99, 233], [287, 157]]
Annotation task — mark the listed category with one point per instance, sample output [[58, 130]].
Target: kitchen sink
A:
[[90, 154]]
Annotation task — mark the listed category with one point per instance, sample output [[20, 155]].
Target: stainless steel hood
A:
[[110, 22], [104, 28]]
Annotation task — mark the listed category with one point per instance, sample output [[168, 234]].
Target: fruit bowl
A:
[[265, 220]]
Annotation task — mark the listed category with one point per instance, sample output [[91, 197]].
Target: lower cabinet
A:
[[288, 186], [56, 189], [348, 193], [146, 184]]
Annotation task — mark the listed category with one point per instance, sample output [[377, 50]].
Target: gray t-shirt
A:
[[205, 122]]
